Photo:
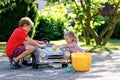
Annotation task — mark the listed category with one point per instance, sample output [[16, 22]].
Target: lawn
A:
[[2, 48], [113, 44]]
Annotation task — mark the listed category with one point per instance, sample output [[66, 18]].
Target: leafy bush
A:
[[51, 23], [10, 13], [116, 33]]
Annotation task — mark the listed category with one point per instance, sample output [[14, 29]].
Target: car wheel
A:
[[24, 62], [35, 66], [64, 65]]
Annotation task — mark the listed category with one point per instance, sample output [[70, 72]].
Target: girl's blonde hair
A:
[[72, 35]]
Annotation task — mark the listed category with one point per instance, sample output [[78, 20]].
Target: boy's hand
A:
[[42, 46], [40, 42]]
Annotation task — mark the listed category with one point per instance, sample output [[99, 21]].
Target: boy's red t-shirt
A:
[[15, 40]]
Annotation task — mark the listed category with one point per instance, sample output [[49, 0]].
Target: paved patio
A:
[[105, 66]]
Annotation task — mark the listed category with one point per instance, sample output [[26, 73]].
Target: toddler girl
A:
[[71, 42]]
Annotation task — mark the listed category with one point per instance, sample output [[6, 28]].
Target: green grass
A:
[[113, 44], [2, 48], [58, 42]]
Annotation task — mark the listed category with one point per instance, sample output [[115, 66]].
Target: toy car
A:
[[48, 56]]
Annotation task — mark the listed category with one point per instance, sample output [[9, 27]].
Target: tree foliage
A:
[[51, 23], [88, 13], [10, 13]]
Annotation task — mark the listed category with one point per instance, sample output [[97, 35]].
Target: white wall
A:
[[41, 4]]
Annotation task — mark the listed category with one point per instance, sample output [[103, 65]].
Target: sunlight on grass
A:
[[113, 44], [2, 48], [58, 42]]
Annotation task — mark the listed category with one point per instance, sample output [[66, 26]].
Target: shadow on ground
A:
[[104, 66]]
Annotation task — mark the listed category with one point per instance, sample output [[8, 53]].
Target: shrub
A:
[[51, 23], [116, 33], [11, 12]]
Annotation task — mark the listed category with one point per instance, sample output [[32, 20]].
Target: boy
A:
[[20, 44]]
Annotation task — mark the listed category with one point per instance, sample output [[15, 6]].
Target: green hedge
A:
[[11, 12], [116, 33], [51, 24]]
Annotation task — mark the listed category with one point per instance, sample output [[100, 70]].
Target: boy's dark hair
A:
[[25, 20]]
